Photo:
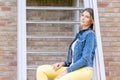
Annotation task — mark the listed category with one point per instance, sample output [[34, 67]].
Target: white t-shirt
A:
[[73, 45]]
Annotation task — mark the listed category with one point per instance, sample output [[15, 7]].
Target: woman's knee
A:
[[43, 67]]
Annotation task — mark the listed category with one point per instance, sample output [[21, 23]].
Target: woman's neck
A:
[[85, 27]]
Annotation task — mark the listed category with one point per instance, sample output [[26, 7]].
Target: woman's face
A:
[[86, 19]]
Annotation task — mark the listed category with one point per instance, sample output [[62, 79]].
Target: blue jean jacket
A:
[[84, 50]]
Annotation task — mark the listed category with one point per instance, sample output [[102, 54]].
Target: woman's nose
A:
[[83, 18]]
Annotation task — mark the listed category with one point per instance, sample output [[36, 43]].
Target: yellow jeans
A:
[[45, 72]]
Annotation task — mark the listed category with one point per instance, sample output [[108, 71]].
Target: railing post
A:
[[99, 42], [21, 43]]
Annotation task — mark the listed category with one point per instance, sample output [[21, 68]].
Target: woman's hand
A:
[[62, 74], [57, 66]]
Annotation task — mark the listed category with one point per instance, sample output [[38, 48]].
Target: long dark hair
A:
[[91, 12]]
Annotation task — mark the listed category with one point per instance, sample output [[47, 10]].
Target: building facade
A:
[[109, 16]]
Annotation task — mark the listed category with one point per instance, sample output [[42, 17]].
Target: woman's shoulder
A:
[[88, 32], [84, 33]]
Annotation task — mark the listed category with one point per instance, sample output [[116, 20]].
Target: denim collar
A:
[[83, 30]]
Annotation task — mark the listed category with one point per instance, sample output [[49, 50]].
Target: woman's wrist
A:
[[62, 63]]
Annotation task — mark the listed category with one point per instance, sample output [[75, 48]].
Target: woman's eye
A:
[[87, 17], [82, 15]]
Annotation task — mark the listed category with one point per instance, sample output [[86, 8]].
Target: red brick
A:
[[2, 23], [2, 3], [108, 59], [5, 8], [102, 4], [111, 48], [114, 73], [109, 15], [114, 5], [103, 1], [115, 44], [110, 34], [116, 1], [109, 9], [6, 68], [11, 3], [110, 39], [110, 29], [114, 63], [111, 53], [112, 68]]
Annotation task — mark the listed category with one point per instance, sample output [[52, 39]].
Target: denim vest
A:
[[84, 50]]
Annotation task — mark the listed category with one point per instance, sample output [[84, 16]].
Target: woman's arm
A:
[[86, 53]]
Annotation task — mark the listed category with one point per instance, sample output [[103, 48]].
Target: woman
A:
[[79, 63]]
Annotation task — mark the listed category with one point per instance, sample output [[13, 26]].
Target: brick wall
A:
[[109, 13], [8, 34], [49, 50]]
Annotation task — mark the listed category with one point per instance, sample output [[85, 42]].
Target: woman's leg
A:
[[80, 74], [46, 71]]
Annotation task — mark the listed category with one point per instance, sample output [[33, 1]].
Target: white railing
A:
[[52, 8], [99, 73], [21, 43]]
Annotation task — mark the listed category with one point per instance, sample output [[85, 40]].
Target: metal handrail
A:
[[31, 36], [52, 8], [54, 22]]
